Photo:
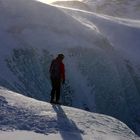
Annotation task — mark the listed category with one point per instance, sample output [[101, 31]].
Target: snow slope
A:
[[117, 8], [74, 4], [26, 118], [32, 33]]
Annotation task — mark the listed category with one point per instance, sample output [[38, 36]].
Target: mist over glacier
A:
[[101, 57]]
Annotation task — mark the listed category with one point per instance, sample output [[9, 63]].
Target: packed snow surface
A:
[[26, 118]]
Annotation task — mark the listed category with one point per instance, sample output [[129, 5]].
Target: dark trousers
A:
[[55, 93]]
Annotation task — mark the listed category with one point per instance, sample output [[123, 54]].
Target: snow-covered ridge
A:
[[117, 8], [22, 113], [101, 57], [74, 4]]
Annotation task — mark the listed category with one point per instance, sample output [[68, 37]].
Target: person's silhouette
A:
[[57, 76]]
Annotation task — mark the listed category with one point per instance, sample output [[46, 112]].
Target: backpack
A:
[[55, 69]]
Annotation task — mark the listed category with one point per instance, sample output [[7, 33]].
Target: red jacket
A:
[[62, 71], [57, 69]]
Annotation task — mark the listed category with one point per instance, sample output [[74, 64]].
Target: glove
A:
[[63, 82]]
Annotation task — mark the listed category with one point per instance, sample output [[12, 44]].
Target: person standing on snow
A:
[[57, 76]]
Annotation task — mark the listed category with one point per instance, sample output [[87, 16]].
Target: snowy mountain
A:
[[101, 57], [26, 118], [118, 8]]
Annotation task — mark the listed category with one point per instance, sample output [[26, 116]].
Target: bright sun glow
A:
[[46, 1], [50, 1]]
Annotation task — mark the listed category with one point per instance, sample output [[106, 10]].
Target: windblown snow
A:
[[118, 8], [101, 58]]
